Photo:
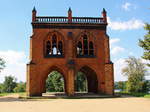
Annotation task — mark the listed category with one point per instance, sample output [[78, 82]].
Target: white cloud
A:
[[125, 25], [15, 65], [114, 40], [118, 66], [117, 49], [126, 6]]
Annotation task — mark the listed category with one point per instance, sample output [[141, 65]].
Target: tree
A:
[[81, 82], [21, 87], [135, 71], [55, 82], [145, 44], [121, 85], [2, 64], [9, 84]]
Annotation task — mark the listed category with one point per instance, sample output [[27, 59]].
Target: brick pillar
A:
[[109, 79], [33, 83], [70, 82], [70, 65]]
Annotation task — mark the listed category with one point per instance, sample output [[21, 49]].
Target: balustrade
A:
[[88, 20]]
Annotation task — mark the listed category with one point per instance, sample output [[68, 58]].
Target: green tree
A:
[[121, 85], [21, 87], [1, 87], [135, 71], [145, 43], [2, 64], [9, 84], [81, 82], [55, 82]]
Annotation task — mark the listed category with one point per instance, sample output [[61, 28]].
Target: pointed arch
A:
[[56, 48], [92, 78], [86, 39]]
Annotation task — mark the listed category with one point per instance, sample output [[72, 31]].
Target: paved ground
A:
[[11, 103]]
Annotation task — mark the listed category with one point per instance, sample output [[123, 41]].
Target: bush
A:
[[21, 87], [9, 84]]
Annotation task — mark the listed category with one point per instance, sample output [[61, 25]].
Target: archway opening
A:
[[81, 83], [86, 81], [55, 83]]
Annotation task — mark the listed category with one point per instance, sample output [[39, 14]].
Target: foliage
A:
[[121, 85], [135, 71], [21, 87], [146, 95], [81, 82], [9, 84], [146, 86], [55, 82], [2, 64], [145, 44]]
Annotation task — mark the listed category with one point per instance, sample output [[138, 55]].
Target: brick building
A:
[[68, 45]]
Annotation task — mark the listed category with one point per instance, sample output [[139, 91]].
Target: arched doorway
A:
[[54, 83], [87, 79]]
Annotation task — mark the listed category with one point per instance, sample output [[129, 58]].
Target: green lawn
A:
[[5, 94], [145, 95]]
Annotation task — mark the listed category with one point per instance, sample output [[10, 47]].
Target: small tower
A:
[[34, 15], [69, 15], [104, 14]]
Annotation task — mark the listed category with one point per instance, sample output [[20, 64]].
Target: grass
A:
[[145, 95], [6, 94]]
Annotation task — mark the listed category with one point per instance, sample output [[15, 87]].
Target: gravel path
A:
[[11, 103]]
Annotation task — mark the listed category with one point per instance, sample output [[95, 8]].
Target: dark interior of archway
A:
[[92, 82], [55, 82]]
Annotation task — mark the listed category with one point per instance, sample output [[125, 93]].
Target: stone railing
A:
[[89, 20]]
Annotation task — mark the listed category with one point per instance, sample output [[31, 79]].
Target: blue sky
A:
[[126, 19]]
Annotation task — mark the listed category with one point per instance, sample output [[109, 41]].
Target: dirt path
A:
[[11, 103]]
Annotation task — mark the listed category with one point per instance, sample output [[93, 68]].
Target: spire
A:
[[104, 14], [34, 9], [69, 9], [104, 11], [69, 15], [34, 14]]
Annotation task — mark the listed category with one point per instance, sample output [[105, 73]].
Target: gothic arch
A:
[[51, 69], [92, 78], [83, 45], [54, 44]]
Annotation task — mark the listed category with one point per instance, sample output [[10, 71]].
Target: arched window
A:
[[79, 48], [91, 49], [48, 48], [54, 47], [60, 48], [85, 45]]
